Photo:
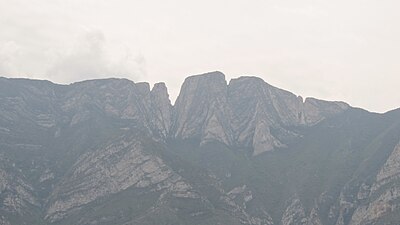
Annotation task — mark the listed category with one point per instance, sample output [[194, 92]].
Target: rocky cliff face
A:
[[245, 112], [113, 151], [201, 109], [383, 198], [120, 165]]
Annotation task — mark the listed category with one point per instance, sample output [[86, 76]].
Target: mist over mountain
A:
[[112, 151]]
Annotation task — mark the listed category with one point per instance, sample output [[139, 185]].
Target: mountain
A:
[[112, 151]]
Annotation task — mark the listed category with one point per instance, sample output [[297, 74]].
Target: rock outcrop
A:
[[244, 113], [120, 165], [201, 109], [383, 198], [294, 214]]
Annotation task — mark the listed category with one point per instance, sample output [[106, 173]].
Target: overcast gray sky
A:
[[336, 50]]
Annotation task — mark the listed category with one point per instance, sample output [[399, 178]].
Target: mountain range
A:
[[112, 151]]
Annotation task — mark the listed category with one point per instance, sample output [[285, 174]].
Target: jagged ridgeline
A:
[[115, 152]]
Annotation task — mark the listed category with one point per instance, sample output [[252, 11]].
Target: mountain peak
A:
[[199, 96], [249, 79], [243, 113], [217, 75]]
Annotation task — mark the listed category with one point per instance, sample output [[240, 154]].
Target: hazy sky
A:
[[331, 49]]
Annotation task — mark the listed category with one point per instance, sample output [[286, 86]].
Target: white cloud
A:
[[327, 49], [92, 57], [309, 11], [9, 53]]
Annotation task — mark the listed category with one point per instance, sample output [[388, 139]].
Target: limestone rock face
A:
[[316, 110], [256, 106], [117, 166], [244, 112], [162, 109], [16, 196], [239, 200], [120, 98], [201, 109], [390, 171], [314, 218], [384, 195], [294, 214], [263, 140], [247, 113]]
